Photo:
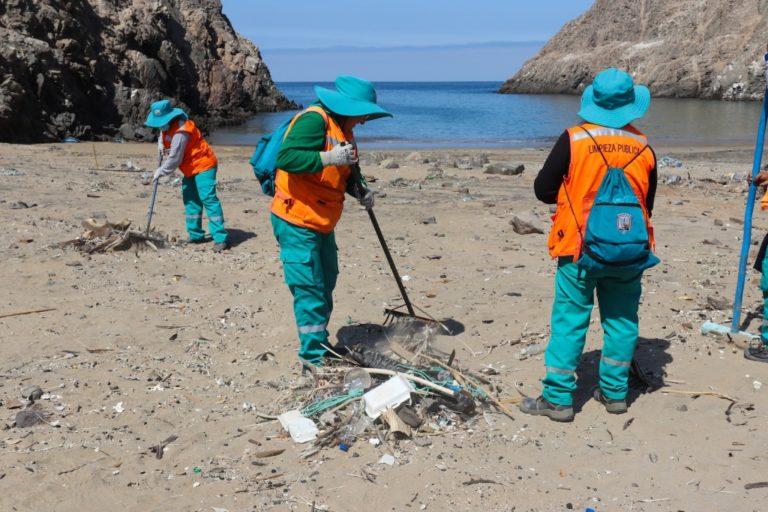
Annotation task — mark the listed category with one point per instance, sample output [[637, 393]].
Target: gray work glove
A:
[[160, 172], [340, 154], [367, 199]]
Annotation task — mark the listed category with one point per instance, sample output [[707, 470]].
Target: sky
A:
[[399, 40]]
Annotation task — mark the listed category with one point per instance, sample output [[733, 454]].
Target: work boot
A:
[[757, 353], [221, 246], [612, 406], [543, 407], [193, 241]]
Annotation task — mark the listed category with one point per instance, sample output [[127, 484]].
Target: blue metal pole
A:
[[748, 216]]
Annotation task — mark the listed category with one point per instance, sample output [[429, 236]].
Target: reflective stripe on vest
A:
[[198, 155], [585, 174], [611, 132], [313, 200]]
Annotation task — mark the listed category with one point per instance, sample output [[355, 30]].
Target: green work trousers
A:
[[764, 288], [618, 297], [198, 192], [311, 267]]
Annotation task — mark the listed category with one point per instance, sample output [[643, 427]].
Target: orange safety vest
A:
[[313, 200], [586, 172], [198, 155]]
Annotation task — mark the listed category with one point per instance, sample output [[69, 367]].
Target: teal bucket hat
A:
[[161, 113], [613, 99], [353, 97]]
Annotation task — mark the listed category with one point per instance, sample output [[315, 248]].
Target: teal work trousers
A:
[[198, 193], [311, 267], [618, 297], [764, 288]]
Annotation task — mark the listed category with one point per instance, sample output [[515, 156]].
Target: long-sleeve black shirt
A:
[[551, 176]]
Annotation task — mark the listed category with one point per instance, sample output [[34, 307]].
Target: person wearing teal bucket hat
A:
[[184, 147], [605, 146], [315, 170]]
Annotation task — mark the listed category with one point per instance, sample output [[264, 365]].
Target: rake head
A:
[[398, 315]]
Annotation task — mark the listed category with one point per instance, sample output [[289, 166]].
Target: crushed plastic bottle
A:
[[355, 426], [532, 350]]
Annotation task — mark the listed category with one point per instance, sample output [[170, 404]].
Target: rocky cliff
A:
[[91, 68], [685, 48]]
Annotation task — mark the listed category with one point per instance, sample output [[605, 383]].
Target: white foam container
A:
[[387, 395], [302, 429]]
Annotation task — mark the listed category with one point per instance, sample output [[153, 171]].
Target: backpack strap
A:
[[312, 108], [565, 188]]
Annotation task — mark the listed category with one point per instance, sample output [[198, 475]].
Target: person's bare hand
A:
[[761, 179]]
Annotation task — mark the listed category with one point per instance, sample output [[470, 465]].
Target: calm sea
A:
[[473, 115]]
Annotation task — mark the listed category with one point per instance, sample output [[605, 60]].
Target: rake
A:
[[396, 314]]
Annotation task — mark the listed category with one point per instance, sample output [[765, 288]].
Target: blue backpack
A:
[[616, 234], [264, 159]]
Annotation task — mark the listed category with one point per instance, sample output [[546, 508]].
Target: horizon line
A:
[[394, 81], [487, 44]]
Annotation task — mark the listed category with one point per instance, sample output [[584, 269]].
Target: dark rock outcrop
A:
[[687, 48], [91, 68]]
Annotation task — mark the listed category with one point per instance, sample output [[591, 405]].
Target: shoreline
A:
[[364, 147]]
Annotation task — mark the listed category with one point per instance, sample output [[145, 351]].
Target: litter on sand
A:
[[383, 392], [107, 237], [668, 161], [710, 327]]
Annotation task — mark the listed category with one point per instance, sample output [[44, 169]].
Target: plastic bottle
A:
[[360, 425], [357, 379], [532, 350]]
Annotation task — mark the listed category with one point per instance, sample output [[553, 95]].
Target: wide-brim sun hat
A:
[[353, 97], [613, 99], [161, 113]]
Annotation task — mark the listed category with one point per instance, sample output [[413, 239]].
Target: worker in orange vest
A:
[[758, 351], [314, 170], [184, 147], [571, 178]]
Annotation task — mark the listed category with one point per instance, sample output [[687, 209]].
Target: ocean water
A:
[[473, 115]]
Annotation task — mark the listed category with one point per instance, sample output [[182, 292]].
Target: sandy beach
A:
[[141, 346]]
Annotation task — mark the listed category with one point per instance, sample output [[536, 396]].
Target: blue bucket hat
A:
[[613, 99], [353, 97], [161, 113]]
